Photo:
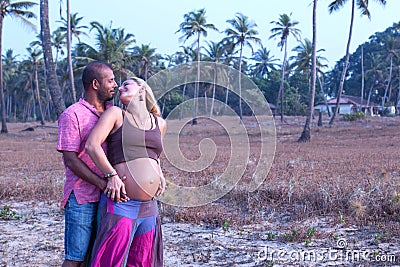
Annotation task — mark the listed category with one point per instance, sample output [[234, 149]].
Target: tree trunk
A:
[[362, 77], [281, 88], [213, 91], [388, 84], [205, 100], [38, 93], [323, 93], [226, 98], [33, 98], [369, 94], [398, 95], [240, 83], [3, 102], [69, 40], [183, 91], [306, 134], [197, 84], [346, 63], [51, 75]]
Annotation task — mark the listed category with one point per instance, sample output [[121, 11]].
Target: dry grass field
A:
[[348, 176]]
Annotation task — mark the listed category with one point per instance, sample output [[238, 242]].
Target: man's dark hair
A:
[[93, 70]]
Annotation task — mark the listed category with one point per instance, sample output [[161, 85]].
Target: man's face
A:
[[107, 86]]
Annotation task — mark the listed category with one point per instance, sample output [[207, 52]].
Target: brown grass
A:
[[349, 170]]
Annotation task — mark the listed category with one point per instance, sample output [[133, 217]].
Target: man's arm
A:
[[77, 166]]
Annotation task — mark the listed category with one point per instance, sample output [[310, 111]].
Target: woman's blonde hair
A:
[[151, 102]]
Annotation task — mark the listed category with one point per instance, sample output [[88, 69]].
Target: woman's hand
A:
[[115, 189], [161, 187]]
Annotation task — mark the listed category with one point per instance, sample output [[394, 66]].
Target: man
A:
[[84, 181]]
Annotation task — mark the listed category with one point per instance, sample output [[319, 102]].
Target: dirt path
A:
[[36, 239]]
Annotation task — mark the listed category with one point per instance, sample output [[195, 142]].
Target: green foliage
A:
[[6, 213], [270, 235], [168, 102], [270, 263], [292, 236], [377, 53], [354, 116], [378, 238], [117, 47], [341, 218], [309, 233], [225, 226]]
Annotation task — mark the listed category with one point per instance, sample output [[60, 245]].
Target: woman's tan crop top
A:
[[129, 143]]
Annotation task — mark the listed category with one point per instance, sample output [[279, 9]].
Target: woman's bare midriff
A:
[[143, 177]]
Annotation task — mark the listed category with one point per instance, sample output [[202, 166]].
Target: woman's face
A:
[[128, 90]]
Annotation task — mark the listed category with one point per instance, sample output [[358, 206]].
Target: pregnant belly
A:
[[143, 177]]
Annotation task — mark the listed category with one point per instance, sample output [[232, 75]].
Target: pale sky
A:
[[155, 22]]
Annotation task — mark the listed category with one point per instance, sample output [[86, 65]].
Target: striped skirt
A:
[[129, 234]]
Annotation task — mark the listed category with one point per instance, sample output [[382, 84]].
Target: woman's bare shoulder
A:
[[161, 122], [113, 109]]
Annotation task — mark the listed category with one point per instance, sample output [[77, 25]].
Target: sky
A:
[[155, 22]]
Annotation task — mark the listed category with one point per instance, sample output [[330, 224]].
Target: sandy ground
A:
[[35, 238], [34, 235]]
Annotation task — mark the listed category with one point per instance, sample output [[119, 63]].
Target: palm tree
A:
[[334, 6], [265, 63], [111, 46], [195, 24], [18, 10], [75, 27], [112, 43], [10, 72], [146, 56], [183, 57], [229, 58], [9, 60], [214, 52], [58, 41], [35, 53], [306, 134], [71, 28], [303, 59], [390, 45], [284, 28], [373, 72], [303, 64], [243, 33], [69, 41], [51, 75]]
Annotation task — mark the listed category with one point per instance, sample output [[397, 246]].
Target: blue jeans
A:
[[80, 228]]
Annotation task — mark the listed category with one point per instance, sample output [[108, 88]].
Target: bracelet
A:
[[111, 174]]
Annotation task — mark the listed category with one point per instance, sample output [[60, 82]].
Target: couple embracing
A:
[[113, 173]]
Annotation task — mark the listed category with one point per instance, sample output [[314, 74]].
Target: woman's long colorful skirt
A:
[[129, 234]]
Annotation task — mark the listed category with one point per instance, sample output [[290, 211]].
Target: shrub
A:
[[354, 116]]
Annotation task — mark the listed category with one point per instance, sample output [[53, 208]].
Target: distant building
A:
[[348, 104]]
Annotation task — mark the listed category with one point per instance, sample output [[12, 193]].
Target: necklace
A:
[[141, 123]]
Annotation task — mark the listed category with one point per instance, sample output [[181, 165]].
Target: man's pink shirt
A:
[[74, 127]]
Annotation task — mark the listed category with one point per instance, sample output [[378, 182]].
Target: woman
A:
[[129, 231]]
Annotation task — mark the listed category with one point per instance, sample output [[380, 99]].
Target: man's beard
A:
[[109, 98]]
